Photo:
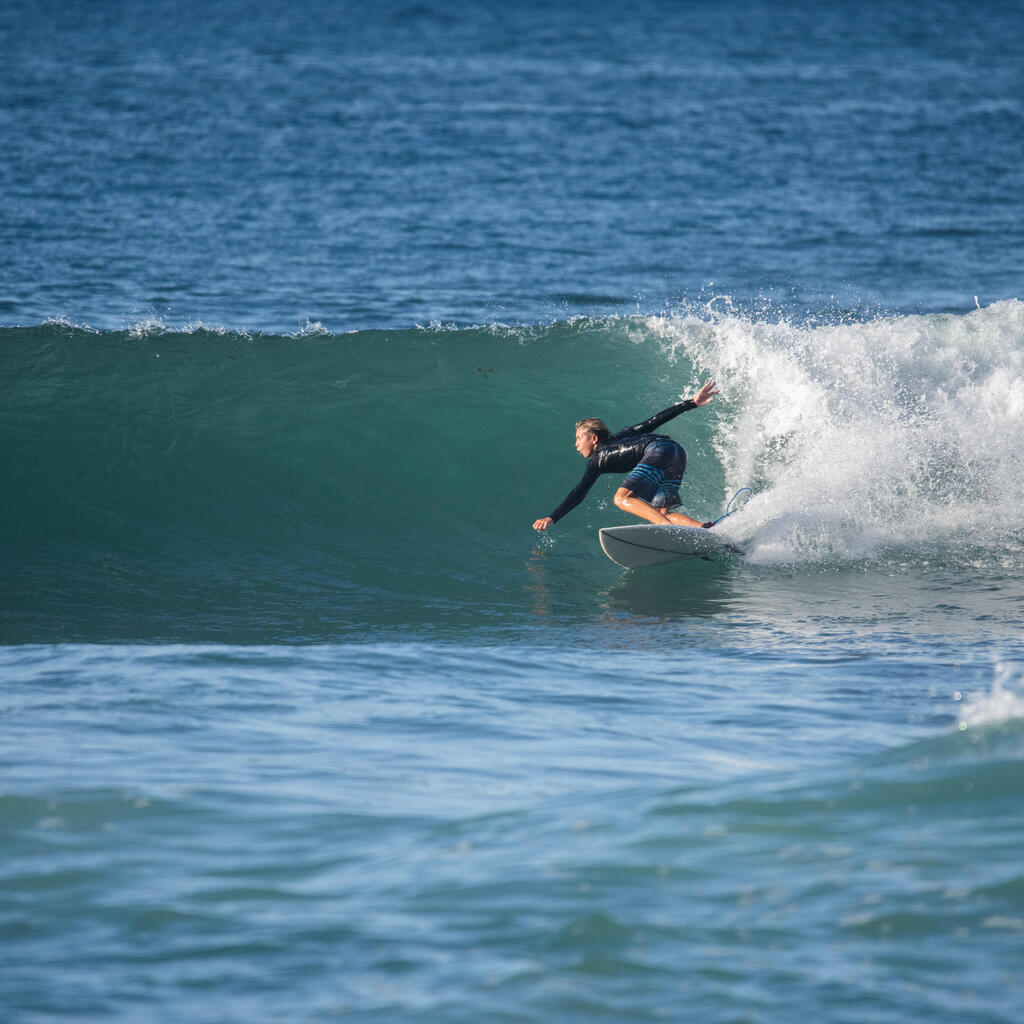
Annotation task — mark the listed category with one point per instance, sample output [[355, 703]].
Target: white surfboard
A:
[[635, 547]]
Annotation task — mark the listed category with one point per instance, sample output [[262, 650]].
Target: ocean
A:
[[301, 720]]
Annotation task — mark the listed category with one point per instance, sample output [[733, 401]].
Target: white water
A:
[[860, 437]]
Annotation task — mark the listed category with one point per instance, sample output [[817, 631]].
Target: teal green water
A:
[[360, 482]]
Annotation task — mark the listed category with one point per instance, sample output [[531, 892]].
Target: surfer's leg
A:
[[630, 502], [681, 519], [635, 505]]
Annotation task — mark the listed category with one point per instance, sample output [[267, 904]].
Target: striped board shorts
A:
[[658, 475]]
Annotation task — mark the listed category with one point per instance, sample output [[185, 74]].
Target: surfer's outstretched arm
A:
[[574, 497], [648, 426]]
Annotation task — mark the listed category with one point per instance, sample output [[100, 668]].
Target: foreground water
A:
[[409, 832], [300, 719]]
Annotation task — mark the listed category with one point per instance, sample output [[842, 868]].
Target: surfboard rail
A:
[[647, 544]]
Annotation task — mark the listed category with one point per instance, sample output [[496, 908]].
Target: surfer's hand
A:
[[543, 524], [706, 393]]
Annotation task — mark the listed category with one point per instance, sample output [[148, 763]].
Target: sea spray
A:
[[1002, 702], [861, 436]]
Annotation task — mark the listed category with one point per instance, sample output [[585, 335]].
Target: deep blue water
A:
[[301, 720], [261, 164]]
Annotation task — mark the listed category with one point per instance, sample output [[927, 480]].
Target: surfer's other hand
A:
[[706, 393]]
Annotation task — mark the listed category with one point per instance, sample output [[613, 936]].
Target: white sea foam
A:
[[69, 322], [859, 436], [1004, 701], [311, 329]]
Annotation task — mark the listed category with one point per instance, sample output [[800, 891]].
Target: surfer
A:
[[654, 465]]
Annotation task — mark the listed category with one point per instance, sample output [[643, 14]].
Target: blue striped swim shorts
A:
[[659, 474]]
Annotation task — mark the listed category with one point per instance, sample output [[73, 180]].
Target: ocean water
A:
[[300, 720]]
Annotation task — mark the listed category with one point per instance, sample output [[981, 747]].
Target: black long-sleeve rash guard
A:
[[619, 454]]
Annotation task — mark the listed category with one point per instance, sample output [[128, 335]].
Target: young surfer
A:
[[654, 465]]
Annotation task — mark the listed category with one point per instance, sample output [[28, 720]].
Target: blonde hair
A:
[[594, 426]]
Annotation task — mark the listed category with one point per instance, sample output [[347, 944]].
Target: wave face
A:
[[206, 484]]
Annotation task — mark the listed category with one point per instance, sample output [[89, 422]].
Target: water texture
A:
[[257, 165], [300, 720]]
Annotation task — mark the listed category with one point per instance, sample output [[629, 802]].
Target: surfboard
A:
[[635, 547]]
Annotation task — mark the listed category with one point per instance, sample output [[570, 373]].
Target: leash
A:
[[739, 499]]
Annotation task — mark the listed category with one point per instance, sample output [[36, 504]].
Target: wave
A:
[[210, 471]]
